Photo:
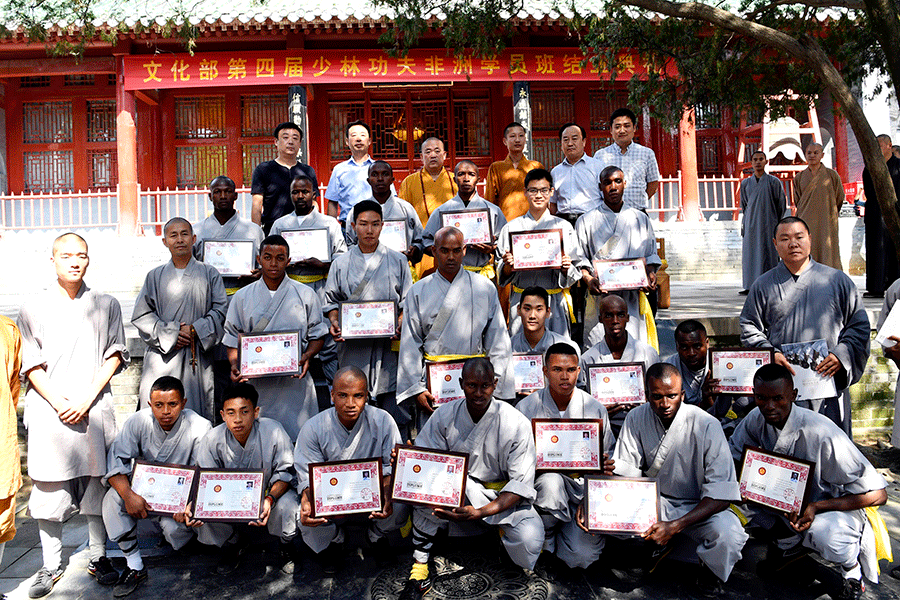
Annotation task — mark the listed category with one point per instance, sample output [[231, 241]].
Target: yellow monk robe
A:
[[10, 467], [505, 186], [819, 196], [426, 194]]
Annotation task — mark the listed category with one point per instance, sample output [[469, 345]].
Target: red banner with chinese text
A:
[[289, 67]]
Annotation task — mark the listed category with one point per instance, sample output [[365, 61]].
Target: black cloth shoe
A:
[[743, 292], [230, 559], [103, 570], [777, 560], [382, 552], [851, 589], [129, 581], [330, 558], [289, 557], [708, 585], [415, 589]]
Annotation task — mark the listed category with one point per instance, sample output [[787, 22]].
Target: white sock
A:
[[134, 560], [51, 543], [420, 557], [96, 536], [855, 572]]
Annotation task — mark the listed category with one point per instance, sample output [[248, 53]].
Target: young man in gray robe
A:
[[533, 337], [844, 483], [539, 190], [449, 315], [684, 449], [73, 342], [369, 271], [167, 433], [350, 430], [801, 300], [559, 494], [763, 204], [179, 314], [500, 484], [247, 441], [614, 231], [278, 303]]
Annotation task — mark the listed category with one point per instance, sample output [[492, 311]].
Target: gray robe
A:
[[635, 351], [294, 307], [387, 277], [234, 228], [167, 300], [71, 338], [394, 208], [473, 324], [473, 258], [890, 298], [550, 279], [822, 303], [763, 204], [314, 220], [520, 345]]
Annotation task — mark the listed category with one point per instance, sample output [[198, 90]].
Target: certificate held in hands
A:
[[622, 505], [231, 258], [735, 368], [269, 354], [442, 380], [428, 477], [617, 383], [568, 444], [393, 235], [528, 371], [229, 495], [775, 480], [475, 225], [308, 243], [345, 487], [539, 249], [166, 488], [368, 319], [624, 274]]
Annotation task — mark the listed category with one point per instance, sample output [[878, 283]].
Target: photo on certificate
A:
[[393, 235], [528, 371], [426, 477], [475, 224], [308, 243], [229, 495], [231, 258], [776, 481], [804, 358], [568, 444], [270, 354], [368, 319], [166, 488], [623, 274], [617, 383], [345, 487], [622, 505], [538, 249], [735, 368], [442, 381]]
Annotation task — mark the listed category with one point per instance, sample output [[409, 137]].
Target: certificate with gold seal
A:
[[475, 224], [229, 495], [166, 488], [345, 487], [368, 319], [568, 444], [774, 480], [735, 368], [538, 249], [393, 235], [269, 354], [624, 505], [617, 383], [308, 243], [442, 380], [528, 371], [426, 477], [624, 274], [231, 258]]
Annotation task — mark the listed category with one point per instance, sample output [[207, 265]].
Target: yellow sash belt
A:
[[231, 291], [567, 298], [487, 270], [647, 313], [442, 358], [306, 278], [495, 485]]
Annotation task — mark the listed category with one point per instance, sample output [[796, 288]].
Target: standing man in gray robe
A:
[[369, 271], [166, 433], [559, 494], [180, 314], [278, 303], [844, 483], [73, 342], [451, 314], [500, 483], [684, 449], [350, 430], [893, 353], [763, 204], [801, 300], [533, 336]]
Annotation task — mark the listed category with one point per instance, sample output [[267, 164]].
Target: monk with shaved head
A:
[[819, 195]]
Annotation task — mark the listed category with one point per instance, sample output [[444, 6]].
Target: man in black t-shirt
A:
[[271, 188]]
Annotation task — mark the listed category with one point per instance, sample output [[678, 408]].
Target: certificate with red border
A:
[[368, 319], [345, 487], [528, 372], [624, 505], [269, 354], [166, 488], [308, 243], [475, 224], [231, 258], [617, 383], [428, 477], [735, 368], [776, 481], [568, 444], [229, 495], [538, 249], [442, 380], [393, 234], [624, 274]]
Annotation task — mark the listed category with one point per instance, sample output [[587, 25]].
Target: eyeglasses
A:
[[541, 191]]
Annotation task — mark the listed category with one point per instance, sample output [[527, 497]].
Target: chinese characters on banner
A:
[[364, 66]]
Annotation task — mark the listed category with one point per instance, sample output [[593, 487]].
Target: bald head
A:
[[447, 233], [350, 374], [663, 372], [180, 221], [814, 146], [58, 242], [478, 366], [612, 302]]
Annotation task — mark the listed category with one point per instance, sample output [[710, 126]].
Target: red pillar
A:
[[842, 162], [687, 148], [126, 154]]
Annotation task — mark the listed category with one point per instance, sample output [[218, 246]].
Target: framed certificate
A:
[[269, 354], [393, 235], [528, 371], [804, 358], [442, 380], [540, 249], [776, 481], [568, 444], [426, 477], [617, 383], [231, 258], [308, 243], [735, 368], [166, 488], [475, 224], [624, 505], [345, 487], [368, 319], [625, 274], [229, 495]]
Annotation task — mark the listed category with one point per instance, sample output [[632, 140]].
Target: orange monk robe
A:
[[10, 467], [505, 186], [426, 194], [819, 196]]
